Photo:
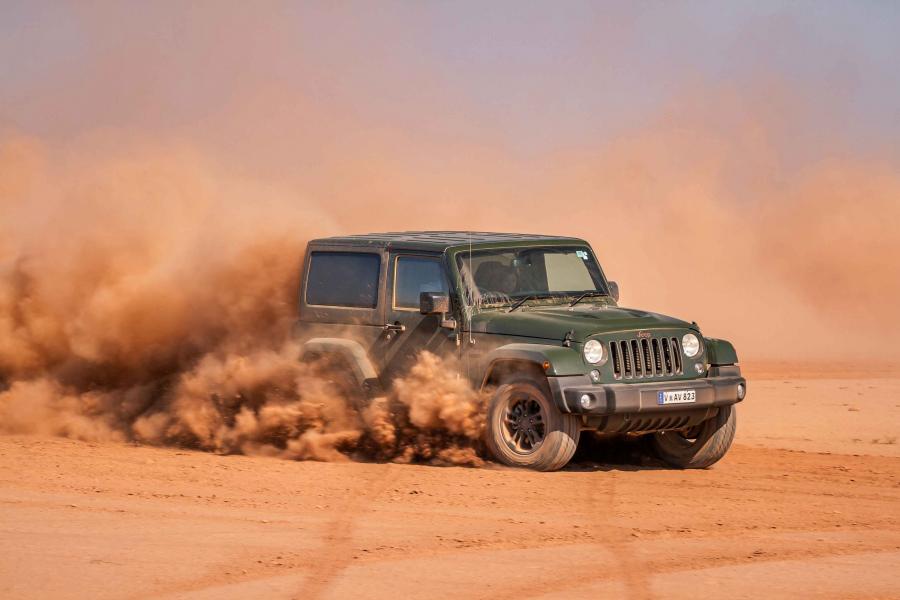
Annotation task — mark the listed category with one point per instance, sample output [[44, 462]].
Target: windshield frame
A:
[[459, 253]]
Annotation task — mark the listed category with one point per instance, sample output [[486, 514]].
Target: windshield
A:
[[503, 276]]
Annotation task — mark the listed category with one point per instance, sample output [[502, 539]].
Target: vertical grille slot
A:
[[617, 364], [636, 359], [657, 357], [649, 371], [626, 360], [676, 354], [667, 357]]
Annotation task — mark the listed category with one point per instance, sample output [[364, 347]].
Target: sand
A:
[[807, 504]]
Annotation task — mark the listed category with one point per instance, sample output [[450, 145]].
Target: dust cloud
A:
[[710, 224], [149, 298]]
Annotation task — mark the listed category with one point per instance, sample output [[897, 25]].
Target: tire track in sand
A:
[[602, 509], [599, 494], [337, 538]]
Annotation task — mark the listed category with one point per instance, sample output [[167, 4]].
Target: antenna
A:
[[472, 276], [468, 310]]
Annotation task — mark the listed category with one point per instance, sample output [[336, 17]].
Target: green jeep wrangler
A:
[[532, 319]]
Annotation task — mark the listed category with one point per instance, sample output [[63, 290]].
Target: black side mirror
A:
[[614, 290], [434, 303]]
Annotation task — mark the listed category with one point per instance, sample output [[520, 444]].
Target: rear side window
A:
[[343, 279], [414, 275]]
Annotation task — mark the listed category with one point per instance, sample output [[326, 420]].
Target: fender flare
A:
[[562, 360], [363, 370], [720, 352]]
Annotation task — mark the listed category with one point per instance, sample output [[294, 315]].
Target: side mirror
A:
[[434, 303], [613, 290]]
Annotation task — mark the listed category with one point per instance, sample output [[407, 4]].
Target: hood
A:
[[553, 322]]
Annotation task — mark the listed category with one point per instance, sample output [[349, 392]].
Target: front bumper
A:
[[719, 388]]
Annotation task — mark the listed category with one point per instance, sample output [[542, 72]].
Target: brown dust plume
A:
[[150, 298]]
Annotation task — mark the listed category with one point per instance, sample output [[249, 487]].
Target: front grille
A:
[[640, 358]]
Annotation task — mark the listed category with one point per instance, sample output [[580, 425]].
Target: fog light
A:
[[742, 391], [585, 401], [699, 368], [595, 375]]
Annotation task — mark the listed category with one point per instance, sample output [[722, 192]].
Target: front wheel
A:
[[701, 446], [525, 429]]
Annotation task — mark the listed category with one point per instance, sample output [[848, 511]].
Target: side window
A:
[[416, 274], [343, 279]]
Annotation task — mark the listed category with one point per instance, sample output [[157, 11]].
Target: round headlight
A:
[[691, 345], [593, 351]]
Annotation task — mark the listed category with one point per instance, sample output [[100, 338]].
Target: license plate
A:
[[677, 397]]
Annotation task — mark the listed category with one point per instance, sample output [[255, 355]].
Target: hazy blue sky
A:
[[530, 77]]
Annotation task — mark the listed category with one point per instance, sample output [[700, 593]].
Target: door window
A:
[[414, 275]]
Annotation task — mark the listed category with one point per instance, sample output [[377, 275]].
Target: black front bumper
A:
[[718, 388]]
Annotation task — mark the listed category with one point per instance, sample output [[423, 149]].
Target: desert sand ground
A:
[[806, 505]]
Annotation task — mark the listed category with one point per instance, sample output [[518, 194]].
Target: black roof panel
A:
[[435, 240]]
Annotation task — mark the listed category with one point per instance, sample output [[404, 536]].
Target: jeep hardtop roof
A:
[[438, 241]]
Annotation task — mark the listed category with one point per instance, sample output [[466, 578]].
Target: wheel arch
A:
[[351, 351], [501, 369], [549, 360]]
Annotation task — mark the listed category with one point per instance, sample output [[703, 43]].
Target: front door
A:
[[407, 331]]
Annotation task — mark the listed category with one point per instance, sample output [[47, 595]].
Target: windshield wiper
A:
[[591, 293], [525, 299], [520, 302]]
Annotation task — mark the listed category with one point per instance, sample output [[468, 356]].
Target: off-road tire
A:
[[334, 369], [559, 435], [712, 441]]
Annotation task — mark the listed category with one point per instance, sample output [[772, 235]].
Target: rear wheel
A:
[[335, 370], [698, 447], [525, 429]]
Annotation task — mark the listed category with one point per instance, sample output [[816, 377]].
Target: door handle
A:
[[395, 327]]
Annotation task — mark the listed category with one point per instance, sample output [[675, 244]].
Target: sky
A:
[[532, 77], [762, 138]]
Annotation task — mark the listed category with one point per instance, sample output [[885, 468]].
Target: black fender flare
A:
[[352, 351], [548, 359], [720, 352]]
